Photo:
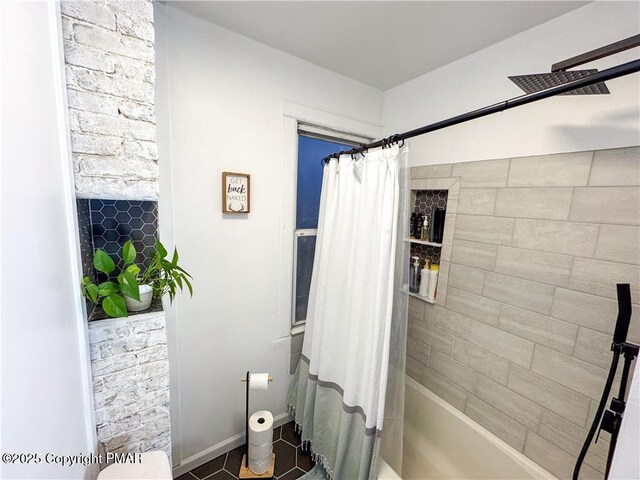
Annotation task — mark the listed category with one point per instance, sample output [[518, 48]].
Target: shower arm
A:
[[608, 74], [598, 53]]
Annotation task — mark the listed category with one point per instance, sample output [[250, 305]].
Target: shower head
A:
[[561, 74], [537, 82]]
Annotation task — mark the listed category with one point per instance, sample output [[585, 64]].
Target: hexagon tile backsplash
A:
[[113, 222], [108, 224]]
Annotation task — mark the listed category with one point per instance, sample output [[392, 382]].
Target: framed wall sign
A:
[[236, 192]]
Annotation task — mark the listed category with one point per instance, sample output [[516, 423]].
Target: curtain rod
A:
[[608, 74]]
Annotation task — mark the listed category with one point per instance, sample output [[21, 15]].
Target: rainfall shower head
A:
[[561, 74], [537, 82]]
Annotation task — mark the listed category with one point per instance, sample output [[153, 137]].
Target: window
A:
[[313, 146]]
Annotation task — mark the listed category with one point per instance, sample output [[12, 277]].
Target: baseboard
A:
[[215, 451]]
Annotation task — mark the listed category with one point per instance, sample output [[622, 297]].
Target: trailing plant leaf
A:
[[107, 288], [129, 285], [128, 252], [160, 249], [114, 306], [133, 269], [90, 290], [164, 276], [103, 262]]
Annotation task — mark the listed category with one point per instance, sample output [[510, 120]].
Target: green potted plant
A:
[[133, 291]]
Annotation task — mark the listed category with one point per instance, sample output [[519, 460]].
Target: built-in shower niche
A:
[[108, 224], [425, 202]]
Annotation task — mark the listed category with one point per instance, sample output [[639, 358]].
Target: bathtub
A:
[[441, 442]]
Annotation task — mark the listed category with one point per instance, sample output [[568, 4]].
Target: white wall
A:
[[561, 124], [626, 463], [219, 105], [46, 400]]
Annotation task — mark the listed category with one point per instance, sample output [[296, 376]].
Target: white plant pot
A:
[[146, 295]]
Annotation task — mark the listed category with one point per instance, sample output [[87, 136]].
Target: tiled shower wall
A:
[[522, 342]]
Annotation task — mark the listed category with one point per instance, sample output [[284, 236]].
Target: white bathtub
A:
[[441, 442]]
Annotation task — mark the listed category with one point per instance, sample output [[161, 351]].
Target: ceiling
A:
[[380, 43]]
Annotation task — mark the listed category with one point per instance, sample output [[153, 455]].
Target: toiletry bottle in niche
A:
[[433, 282], [432, 230], [438, 224], [412, 224], [414, 275], [423, 291], [419, 225], [425, 230]]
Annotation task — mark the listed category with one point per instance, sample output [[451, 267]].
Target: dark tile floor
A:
[[291, 461]]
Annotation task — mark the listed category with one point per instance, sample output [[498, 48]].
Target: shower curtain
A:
[[339, 389]]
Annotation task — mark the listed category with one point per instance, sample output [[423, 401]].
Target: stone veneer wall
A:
[[521, 341], [110, 74], [131, 383], [110, 70]]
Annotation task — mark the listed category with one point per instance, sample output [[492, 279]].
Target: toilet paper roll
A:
[[259, 466], [260, 441], [261, 428], [259, 381], [260, 452]]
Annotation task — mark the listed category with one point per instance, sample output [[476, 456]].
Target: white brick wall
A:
[[109, 55], [131, 383], [110, 73]]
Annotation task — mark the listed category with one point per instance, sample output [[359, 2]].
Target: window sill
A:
[[296, 329]]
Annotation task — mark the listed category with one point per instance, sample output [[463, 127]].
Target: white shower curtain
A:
[[338, 392]]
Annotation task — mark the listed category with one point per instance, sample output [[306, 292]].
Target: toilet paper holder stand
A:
[[245, 471]]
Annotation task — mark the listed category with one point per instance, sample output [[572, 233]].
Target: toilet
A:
[[152, 466]]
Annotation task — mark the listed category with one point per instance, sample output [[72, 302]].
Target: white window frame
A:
[[300, 116]]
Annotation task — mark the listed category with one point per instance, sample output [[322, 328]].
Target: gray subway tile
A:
[[418, 350], [444, 388], [540, 329], [570, 238], [449, 228], [459, 374], [416, 308], [485, 362], [484, 229], [414, 368], [496, 422], [571, 372], [570, 438], [593, 347], [443, 282], [600, 277], [519, 292], [618, 205], [619, 243], [510, 403], [497, 341], [488, 173], [474, 254], [433, 337], [466, 278], [554, 459], [617, 167], [542, 267], [477, 201], [542, 203], [591, 311], [431, 171], [560, 170], [472, 305], [549, 394]]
